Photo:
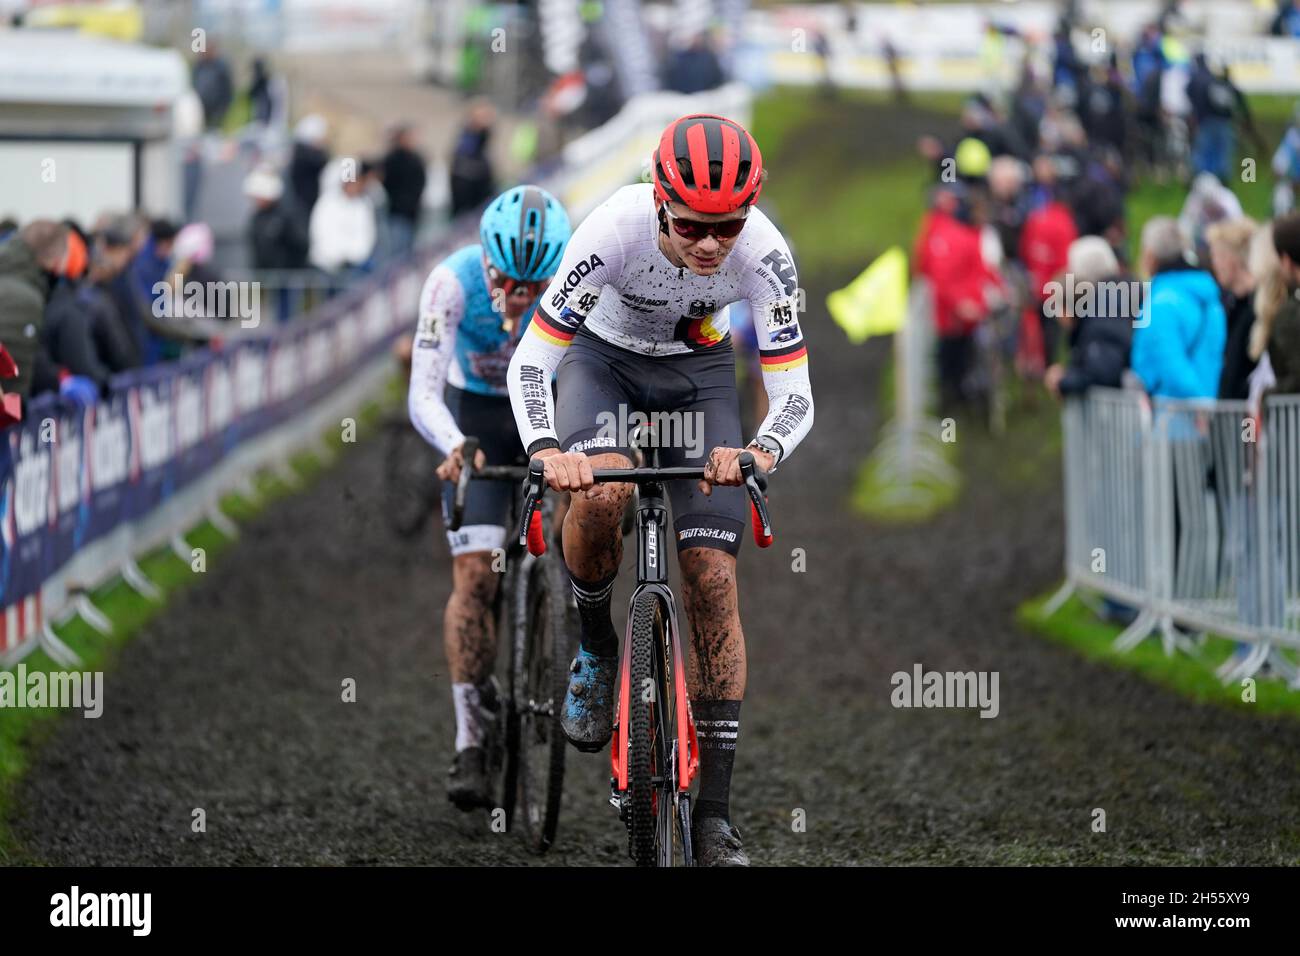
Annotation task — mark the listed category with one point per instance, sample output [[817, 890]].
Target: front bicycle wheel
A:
[[541, 668], [410, 487], [648, 763]]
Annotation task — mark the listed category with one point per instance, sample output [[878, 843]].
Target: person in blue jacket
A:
[[1178, 345], [1179, 338]]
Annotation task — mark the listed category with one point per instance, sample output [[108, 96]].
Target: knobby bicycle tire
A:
[[507, 614], [642, 721], [541, 668]]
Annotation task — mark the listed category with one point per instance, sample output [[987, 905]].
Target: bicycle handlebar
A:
[[755, 484], [486, 473], [534, 477]]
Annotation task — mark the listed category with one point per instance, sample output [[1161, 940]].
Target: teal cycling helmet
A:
[[524, 232]]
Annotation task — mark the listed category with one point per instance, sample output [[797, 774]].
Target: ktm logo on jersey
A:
[[698, 333], [781, 268]]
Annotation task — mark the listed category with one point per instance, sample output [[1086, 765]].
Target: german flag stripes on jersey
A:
[[552, 332], [784, 359]]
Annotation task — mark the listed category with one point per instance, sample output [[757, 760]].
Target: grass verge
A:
[[22, 731], [1191, 675]]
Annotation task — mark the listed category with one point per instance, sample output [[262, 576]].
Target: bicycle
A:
[[410, 490], [535, 611], [654, 753]]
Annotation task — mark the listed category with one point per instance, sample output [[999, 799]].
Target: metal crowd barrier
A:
[[136, 471], [1188, 512], [1279, 522]]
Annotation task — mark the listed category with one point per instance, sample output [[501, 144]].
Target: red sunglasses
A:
[[695, 230], [508, 284]]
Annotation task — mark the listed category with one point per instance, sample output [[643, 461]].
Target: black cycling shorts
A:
[[487, 503], [689, 399]]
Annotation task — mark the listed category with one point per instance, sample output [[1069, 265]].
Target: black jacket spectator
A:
[[1099, 349], [1237, 363], [1104, 112], [404, 182], [472, 179], [1146, 105], [694, 69], [214, 87], [259, 92], [277, 238], [1099, 318], [71, 336], [1211, 96], [306, 164]]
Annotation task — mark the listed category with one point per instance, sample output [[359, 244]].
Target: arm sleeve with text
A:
[[442, 305], [782, 353]]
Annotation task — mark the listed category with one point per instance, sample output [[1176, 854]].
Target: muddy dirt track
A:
[[231, 700]]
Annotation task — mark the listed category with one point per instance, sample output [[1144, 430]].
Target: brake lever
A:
[[530, 518], [469, 452], [756, 485]]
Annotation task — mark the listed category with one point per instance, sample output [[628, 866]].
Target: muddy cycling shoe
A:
[[587, 717], [715, 842], [467, 779]]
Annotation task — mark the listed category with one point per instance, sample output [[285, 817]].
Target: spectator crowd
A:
[[81, 301], [1026, 242]]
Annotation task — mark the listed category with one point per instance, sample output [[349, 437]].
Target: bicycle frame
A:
[[652, 576]]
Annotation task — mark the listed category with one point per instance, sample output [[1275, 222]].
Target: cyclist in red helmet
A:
[[634, 324]]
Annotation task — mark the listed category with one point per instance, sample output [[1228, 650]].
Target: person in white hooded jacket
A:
[[342, 230]]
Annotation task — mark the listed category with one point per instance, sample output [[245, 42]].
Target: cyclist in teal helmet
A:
[[523, 233], [474, 307]]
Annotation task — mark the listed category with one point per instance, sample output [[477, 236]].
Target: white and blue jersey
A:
[[460, 341]]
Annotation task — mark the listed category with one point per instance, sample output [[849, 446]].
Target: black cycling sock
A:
[[717, 723], [598, 635]]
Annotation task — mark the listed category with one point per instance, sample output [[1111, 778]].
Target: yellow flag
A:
[[875, 303]]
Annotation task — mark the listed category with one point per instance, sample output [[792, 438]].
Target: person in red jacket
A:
[[1044, 250], [948, 254]]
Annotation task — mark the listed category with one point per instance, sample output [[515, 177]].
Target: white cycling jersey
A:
[[616, 282]]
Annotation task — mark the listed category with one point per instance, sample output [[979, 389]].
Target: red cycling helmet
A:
[[708, 163]]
